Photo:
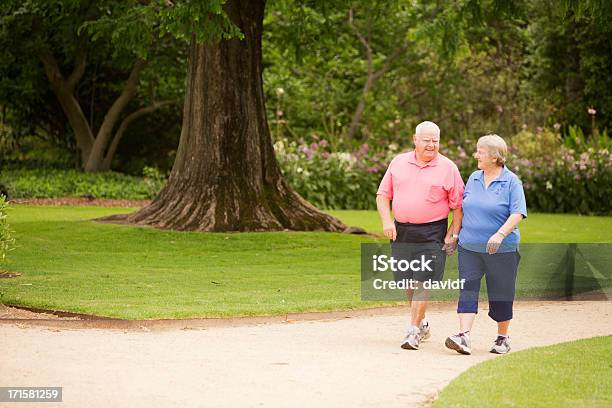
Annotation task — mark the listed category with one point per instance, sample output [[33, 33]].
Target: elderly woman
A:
[[493, 205]]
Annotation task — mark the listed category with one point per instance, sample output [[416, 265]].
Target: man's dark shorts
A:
[[420, 242]]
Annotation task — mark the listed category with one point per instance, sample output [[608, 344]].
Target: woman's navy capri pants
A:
[[500, 270]]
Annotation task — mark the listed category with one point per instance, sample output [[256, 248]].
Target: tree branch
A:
[[79, 65], [112, 116], [51, 69], [126, 122], [372, 75], [70, 106]]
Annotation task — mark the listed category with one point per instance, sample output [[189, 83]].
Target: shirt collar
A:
[[412, 159], [503, 176]]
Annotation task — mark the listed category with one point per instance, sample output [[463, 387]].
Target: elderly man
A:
[[423, 186]]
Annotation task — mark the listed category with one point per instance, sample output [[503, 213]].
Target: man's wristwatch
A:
[[501, 233], [454, 236]]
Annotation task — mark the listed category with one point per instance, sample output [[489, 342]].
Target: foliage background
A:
[[345, 84]]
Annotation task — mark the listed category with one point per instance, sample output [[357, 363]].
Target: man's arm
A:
[[384, 210], [455, 226], [450, 243]]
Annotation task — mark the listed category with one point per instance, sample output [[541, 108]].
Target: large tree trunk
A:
[[225, 177]]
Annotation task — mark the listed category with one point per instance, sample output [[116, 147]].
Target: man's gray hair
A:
[[427, 126]]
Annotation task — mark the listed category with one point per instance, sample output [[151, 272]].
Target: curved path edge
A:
[[327, 361]]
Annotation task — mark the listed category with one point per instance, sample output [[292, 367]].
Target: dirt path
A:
[[333, 362]]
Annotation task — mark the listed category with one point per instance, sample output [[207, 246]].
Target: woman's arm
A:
[[510, 224], [497, 238]]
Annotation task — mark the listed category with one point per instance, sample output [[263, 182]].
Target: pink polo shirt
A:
[[422, 194]]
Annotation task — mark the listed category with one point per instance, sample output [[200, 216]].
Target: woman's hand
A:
[[450, 244], [494, 243], [389, 230]]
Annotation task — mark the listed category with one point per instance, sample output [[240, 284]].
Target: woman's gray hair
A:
[[496, 146]]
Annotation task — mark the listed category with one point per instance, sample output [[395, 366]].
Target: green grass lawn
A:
[[550, 228], [71, 263], [574, 374]]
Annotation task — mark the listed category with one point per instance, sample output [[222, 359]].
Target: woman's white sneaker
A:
[[501, 345]]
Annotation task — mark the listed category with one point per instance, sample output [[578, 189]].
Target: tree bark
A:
[[225, 176], [64, 91]]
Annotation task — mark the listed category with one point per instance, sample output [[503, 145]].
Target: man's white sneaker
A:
[[412, 339], [501, 345], [460, 343], [424, 330]]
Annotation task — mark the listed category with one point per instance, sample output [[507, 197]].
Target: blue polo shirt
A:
[[486, 210]]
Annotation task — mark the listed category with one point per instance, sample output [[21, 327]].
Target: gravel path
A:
[[341, 359]]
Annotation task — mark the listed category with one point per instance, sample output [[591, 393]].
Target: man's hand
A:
[[450, 244], [494, 243], [389, 230]]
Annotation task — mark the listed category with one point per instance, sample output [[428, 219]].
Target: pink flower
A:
[[557, 126], [592, 111], [308, 152]]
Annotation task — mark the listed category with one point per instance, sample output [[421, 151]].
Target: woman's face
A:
[[485, 159]]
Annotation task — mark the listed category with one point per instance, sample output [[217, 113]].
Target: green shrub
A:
[[46, 183], [535, 146], [6, 237]]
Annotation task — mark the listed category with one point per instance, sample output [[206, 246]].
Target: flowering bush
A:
[[571, 182], [555, 178], [333, 180]]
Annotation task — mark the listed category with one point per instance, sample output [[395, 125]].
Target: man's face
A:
[[427, 144]]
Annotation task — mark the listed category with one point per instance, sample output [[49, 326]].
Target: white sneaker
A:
[[424, 330], [412, 339], [501, 345], [460, 343]]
